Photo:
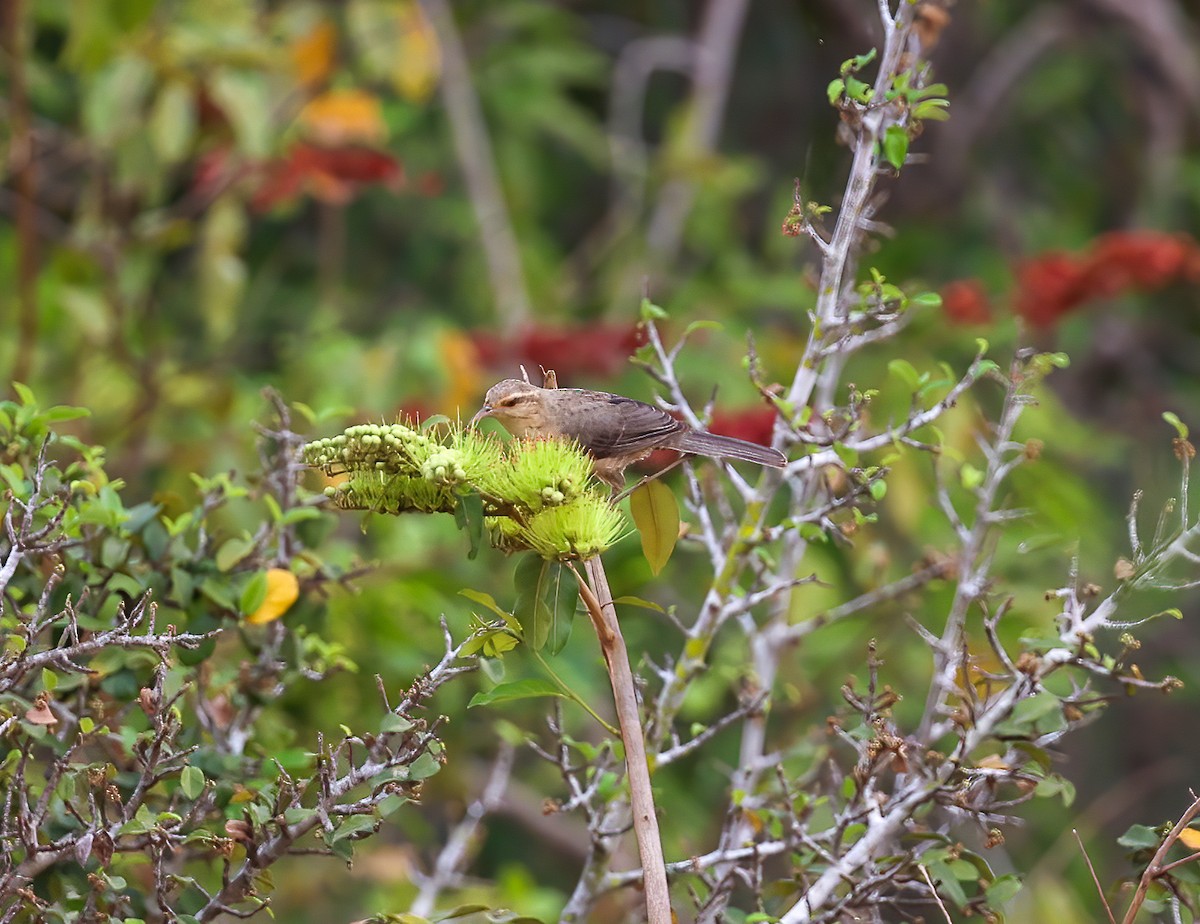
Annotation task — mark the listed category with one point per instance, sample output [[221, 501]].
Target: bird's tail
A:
[[727, 447]]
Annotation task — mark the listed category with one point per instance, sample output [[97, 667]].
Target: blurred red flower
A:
[[1055, 283], [332, 175], [965, 302], [588, 349]]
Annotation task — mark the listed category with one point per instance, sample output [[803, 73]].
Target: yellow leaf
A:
[[1190, 838], [461, 361], [312, 54], [282, 591], [656, 515], [341, 117], [418, 57]]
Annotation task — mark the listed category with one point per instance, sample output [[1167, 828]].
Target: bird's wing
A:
[[609, 425]]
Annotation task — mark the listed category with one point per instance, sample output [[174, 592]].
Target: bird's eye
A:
[[515, 399]]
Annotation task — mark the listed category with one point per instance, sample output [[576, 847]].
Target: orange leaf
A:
[[1190, 838], [312, 54], [340, 117], [282, 591]]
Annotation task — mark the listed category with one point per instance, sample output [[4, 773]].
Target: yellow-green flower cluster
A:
[[539, 473], [384, 493], [391, 448], [539, 493], [581, 528]]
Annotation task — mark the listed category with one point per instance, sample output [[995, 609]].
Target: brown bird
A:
[[616, 431]]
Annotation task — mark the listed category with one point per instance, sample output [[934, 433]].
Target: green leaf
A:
[[172, 124], [245, 101], [485, 600], [233, 551], [926, 300], [528, 607], [546, 597], [394, 723], [468, 513], [947, 883], [219, 592], [905, 372], [191, 781], [424, 767], [1180, 427], [1002, 889], [1028, 711], [834, 90], [651, 311], [61, 412], [858, 90], [895, 145], [638, 601], [702, 325], [847, 454], [355, 824], [970, 476], [1140, 837], [1056, 786], [931, 109], [656, 516], [254, 593], [531, 688], [858, 62]]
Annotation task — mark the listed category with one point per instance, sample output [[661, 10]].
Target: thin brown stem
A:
[[597, 598], [1095, 878]]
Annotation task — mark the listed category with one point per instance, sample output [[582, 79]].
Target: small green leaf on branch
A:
[[656, 515]]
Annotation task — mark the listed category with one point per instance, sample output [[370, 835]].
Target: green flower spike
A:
[[586, 526], [545, 472], [543, 486]]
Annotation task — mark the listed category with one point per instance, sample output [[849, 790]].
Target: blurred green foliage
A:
[[232, 194]]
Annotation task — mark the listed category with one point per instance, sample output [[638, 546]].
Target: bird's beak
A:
[[485, 411]]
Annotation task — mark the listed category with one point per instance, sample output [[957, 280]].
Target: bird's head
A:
[[516, 404]]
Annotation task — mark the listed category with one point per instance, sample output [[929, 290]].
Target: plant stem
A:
[[597, 597], [571, 694]]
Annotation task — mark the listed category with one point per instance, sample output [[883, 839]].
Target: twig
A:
[[1095, 878], [934, 892]]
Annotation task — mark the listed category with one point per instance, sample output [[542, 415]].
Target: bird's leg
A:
[[646, 479]]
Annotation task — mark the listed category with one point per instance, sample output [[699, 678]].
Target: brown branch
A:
[[597, 598], [1157, 867]]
